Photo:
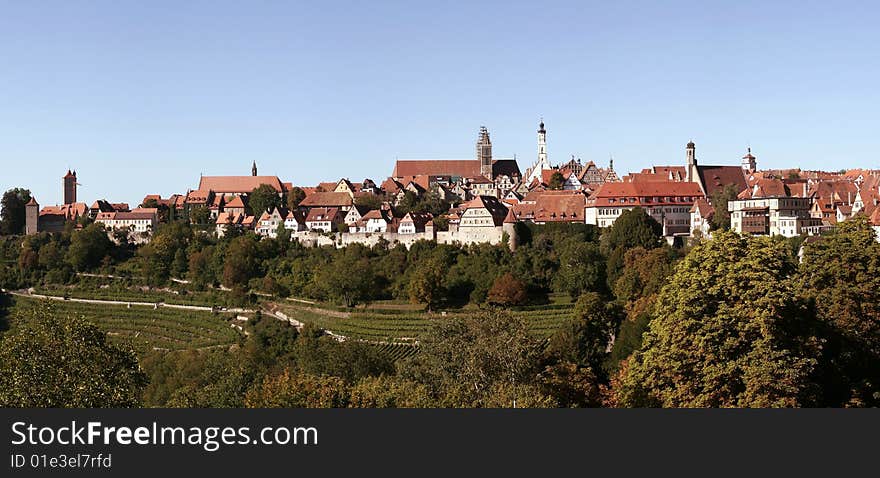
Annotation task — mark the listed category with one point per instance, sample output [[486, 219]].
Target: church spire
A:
[[254, 168]]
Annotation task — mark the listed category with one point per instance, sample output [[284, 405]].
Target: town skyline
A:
[[165, 92], [45, 188]]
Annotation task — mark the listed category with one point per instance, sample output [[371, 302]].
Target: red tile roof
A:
[[766, 188], [717, 177], [671, 192], [322, 213], [447, 167], [236, 203], [553, 206], [69, 211], [327, 199], [238, 184]]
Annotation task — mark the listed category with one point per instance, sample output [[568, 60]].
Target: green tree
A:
[[370, 201], [180, 264], [12, 211], [291, 389], [241, 262], [88, 247], [489, 359], [263, 199], [294, 197], [348, 280], [633, 228], [200, 215], [426, 283], [584, 339], [840, 275], [54, 361], [557, 181], [389, 392], [720, 199], [581, 269], [728, 332]]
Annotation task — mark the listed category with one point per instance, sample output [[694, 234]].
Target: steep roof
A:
[[198, 196], [236, 203], [443, 167], [418, 219], [875, 217], [375, 214], [327, 199], [703, 208], [553, 206], [238, 184], [766, 188], [506, 167], [610, 194], [717, 177], [322, 214], [495, 207], [69, 211]]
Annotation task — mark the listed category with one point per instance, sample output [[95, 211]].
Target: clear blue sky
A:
[[142, 97]]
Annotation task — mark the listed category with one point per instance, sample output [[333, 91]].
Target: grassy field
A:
[[406, 325], [145, 328]]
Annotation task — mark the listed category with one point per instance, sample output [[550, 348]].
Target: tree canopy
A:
[[12, 211], [53, 361], [262, 199], [840, 276], [728, 332]]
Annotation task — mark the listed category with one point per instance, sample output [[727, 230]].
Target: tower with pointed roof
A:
[[254, 168], [484, 153], [509, 227], [749, 162], [69, 187], [31, 216], [535, 172], [542, 143]]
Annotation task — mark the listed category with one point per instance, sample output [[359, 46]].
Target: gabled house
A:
[[236, 205], [295, 221], [377, 220], [355, 214], [226, 220], [269, 221], [324, 219], [701, 217], [413, 223]]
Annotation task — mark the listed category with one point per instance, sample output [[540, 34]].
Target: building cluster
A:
[[488, 196]]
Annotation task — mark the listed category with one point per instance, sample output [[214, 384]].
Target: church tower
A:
[[69, 187], [749, 162], [542, 144], [254, 168], [691, 154], [484, 153], [535, 172]]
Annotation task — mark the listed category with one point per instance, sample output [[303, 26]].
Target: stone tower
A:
[[69, 185], [484, 153], [749, 162], [691, 154], [509, 227], [254, 169], [31, 217]]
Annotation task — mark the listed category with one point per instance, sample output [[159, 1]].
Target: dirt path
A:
[[155, 305]]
